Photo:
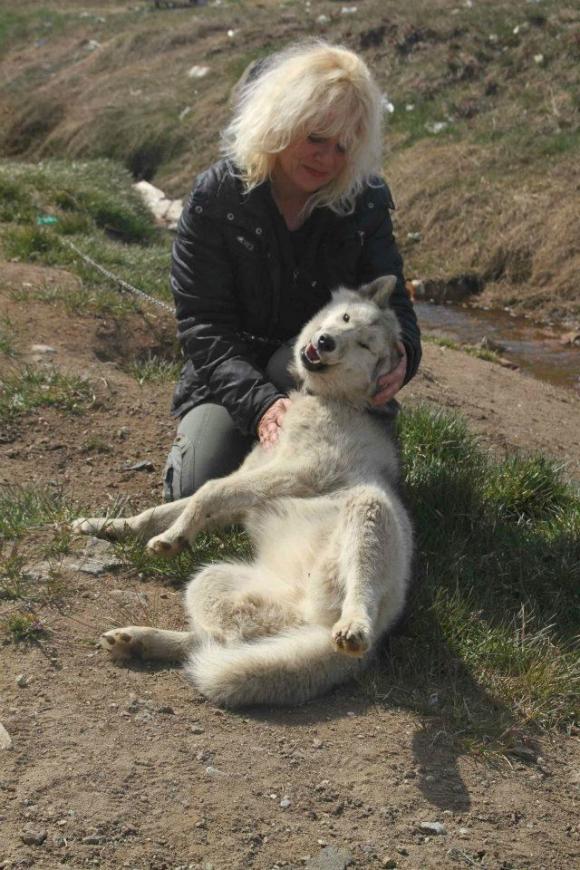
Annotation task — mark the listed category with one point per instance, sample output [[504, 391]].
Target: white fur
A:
[[332, 540]]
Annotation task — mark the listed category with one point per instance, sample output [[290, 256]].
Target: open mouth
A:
[[311, 358]]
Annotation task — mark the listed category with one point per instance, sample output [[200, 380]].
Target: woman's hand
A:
[[271, 422], [389, 385]]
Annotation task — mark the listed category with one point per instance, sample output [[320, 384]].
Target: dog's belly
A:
[[293, 538]]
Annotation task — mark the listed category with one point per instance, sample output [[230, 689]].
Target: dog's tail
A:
[[289, 668]]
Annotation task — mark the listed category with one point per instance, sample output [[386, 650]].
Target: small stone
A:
[[122, 433], [432, 827], [523, 752], [198, 72], [42, 348], [143, 465], [32, 836], [463, 832], [197, 729], [5, 738], [317, 744], [330, 858], [22, 681], [285, 803]]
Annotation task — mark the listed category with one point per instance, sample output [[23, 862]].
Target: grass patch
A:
[[472, 349], [496, 609], [93, 206], [7, 345], [24, 627], [81, 195], [27, 389], [154, 369]]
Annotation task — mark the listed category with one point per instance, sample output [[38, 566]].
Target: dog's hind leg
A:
[[374, 546], [147, 643], [143, 525]]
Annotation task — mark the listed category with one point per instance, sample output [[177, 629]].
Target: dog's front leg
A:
[[223, 500]]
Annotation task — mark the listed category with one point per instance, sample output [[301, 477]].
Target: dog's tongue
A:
[[312, 353]]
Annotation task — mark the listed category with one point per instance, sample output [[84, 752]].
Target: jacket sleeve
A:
[[203, 285], [381, 257]]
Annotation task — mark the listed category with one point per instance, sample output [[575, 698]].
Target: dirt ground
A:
[[128, 767]]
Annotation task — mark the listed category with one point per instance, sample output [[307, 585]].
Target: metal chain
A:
[[115, 278], [247, 336]]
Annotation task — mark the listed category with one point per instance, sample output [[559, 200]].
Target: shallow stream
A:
[[528, 346]]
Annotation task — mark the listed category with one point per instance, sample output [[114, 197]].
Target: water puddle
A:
[[543, 356]]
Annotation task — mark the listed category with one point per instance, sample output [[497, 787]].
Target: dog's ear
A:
[[379, 291]]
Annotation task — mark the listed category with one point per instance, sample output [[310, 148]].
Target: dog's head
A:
[[345, 348]]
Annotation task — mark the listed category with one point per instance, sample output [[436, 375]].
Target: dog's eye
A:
[[346, 317]]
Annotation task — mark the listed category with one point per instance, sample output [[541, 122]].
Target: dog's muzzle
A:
[[310, 354]]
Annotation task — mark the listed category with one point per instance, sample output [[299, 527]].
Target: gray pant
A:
[[208, 445]]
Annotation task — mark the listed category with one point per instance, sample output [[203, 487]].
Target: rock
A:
[[285, 803], [122, 433], [128, 597], [197, 729], [198, 72], [5, 738], [432, 828], [42, 348], [523, 752], [330, 858], [98, 557], [143, 465], [33, 836], [390, 863], [22, 681]]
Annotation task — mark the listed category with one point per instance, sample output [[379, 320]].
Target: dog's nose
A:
[[326, 342]]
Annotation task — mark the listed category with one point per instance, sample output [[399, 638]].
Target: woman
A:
[[294, 210]]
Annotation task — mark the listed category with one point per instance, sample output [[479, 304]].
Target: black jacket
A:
[[243, 284]]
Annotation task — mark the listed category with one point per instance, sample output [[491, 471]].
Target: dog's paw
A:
[[351, 637], [125, 643], [100, 527], [163, 546], [85, 526]]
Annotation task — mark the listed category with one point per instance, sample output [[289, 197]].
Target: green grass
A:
[[496, 608], [96, 208], [7, 339], [154, 369], [471, 349], [26, 389], [24, 627]]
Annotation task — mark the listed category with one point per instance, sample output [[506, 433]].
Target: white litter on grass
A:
[[387, 105], [436, 126], [539, 59], [349, 10], [184, 113], [232, 33], [323, 19], [198, 72], [410, 107]]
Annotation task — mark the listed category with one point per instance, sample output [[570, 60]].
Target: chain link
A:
[[247, 336], [115, 278]]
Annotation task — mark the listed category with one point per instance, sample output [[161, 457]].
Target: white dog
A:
[[332, 540]]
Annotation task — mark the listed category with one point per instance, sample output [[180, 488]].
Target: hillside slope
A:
[[483, 131]]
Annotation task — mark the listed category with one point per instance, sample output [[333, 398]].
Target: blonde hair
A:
[[311, 87]]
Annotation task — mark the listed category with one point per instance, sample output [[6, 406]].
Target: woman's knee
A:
[[207, 445]]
